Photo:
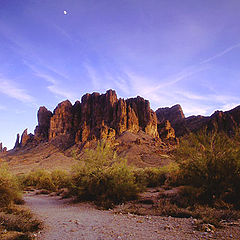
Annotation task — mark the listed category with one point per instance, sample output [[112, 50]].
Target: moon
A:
[[64, 12]]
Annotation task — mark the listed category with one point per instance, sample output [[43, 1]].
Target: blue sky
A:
[[167, 51]]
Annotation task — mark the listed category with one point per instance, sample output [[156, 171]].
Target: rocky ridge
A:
[[228, 121], [104, 116], [97, 116]]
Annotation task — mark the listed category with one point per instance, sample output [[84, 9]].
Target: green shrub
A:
[[211, 162], [104, 177], [9, 188], [32, 178], [153, 176], [43, 179], [60, 178]]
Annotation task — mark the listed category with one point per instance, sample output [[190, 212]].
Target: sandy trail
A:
[[64, 221]]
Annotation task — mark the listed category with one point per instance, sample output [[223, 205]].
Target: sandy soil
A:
[[64, 220]]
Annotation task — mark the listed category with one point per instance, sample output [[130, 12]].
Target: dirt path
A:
[[64, 220]]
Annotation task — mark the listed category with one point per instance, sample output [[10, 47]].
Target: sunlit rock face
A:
[[97, 116]]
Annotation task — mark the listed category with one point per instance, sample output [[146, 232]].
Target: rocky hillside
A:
[[228, 121]]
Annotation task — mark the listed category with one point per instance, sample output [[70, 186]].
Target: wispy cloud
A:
[[62, 92], [220, 54], [144, 85], [62, 32], [122, 85], [93, 76], [55, 86], [11, 89]]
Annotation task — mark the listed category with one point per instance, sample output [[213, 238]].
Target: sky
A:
[[168, 51]]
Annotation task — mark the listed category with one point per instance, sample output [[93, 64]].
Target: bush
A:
[[60, 178], [43, 179], [153, 176], [18, 223], [9, 188], [104, 177], [211, 162]]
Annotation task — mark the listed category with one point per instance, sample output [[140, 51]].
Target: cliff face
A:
[[97, 116], [227, 121]]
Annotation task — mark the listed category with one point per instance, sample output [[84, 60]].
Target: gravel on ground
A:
[[64, 220]]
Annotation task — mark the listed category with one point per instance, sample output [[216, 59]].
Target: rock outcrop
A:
[[173, 114], [2, 149], [26, 138], [97, 116], [228, 121], [104, 116], [17, 143], [166, 131], [42, 130]]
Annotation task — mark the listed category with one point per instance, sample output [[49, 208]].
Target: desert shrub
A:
[[210, 162], [104, 177], [149, 177], [18, 223], [45, 182], [43, 179], [9, 187], [153, 176], [32, 178], [60, 178]]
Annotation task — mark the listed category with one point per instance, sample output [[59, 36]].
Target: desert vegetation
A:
[[43, 179], [16, 222], [204, 181], [205, 176], [210, 163]]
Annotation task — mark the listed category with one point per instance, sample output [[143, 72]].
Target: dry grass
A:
[[17, 223]]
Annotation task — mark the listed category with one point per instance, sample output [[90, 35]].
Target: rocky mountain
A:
[[228, 121], [97, 116], [104, 116]]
